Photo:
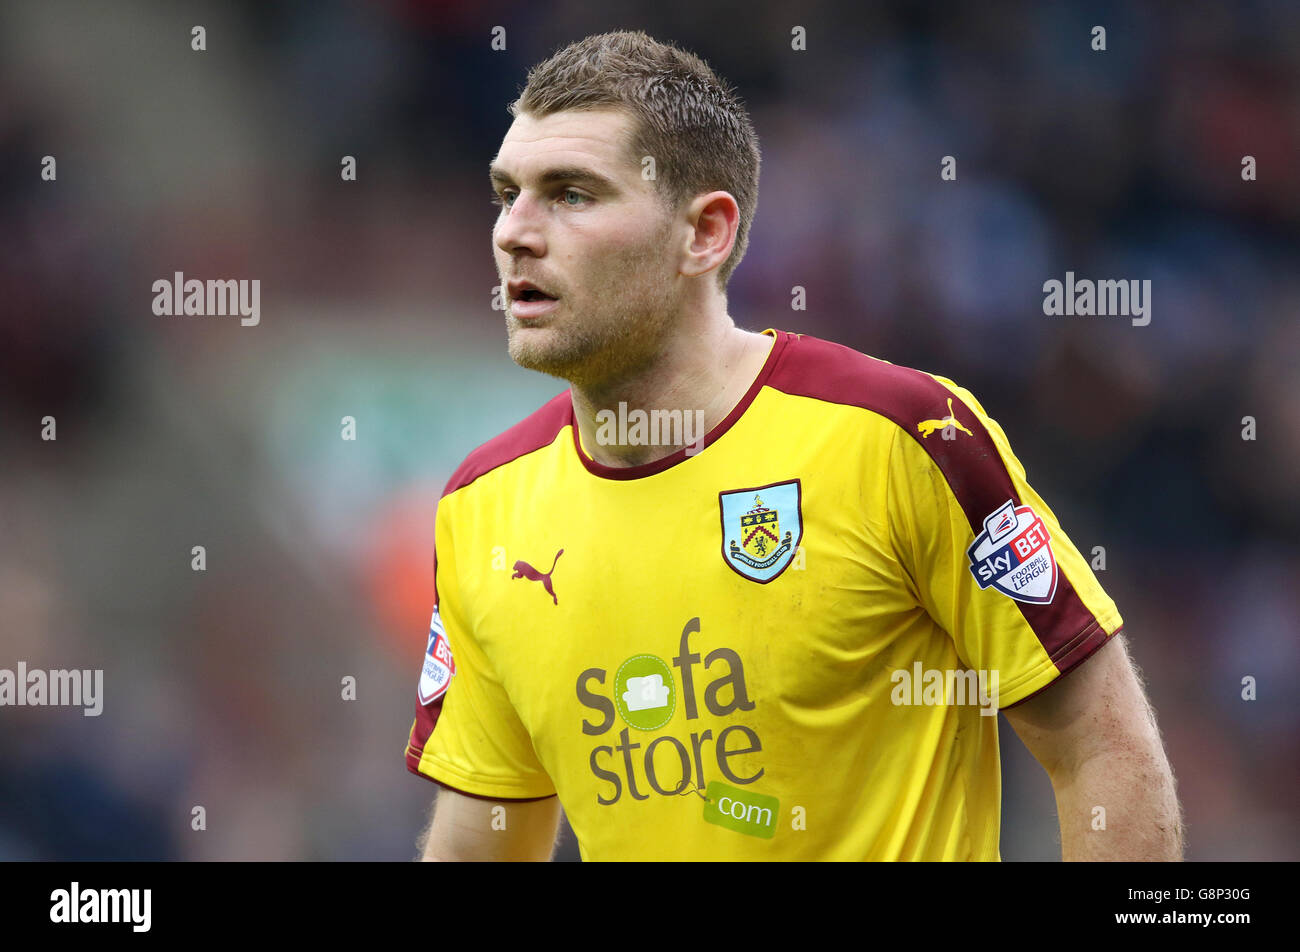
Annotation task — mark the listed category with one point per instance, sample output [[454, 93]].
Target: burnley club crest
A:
[[761, 529]]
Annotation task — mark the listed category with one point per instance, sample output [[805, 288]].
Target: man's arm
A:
[[467, 828], [1096, 736]]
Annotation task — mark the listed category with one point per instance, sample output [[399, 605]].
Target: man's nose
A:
[[520, 227]]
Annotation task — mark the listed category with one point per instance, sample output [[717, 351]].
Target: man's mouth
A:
[[521, 290], [528, 302]]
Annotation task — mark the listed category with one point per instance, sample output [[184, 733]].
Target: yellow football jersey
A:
[[791, 643]]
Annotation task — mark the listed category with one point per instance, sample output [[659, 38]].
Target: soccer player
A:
[[738, 595]]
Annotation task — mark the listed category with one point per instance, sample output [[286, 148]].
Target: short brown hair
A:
[[684, 115]]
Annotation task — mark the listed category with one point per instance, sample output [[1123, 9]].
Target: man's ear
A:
[[714, 219]]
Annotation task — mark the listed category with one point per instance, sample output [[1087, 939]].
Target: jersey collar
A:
[[659, 465]]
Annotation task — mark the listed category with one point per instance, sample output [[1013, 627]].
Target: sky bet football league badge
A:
[[1014, 555], [761, 529], [438, 663]]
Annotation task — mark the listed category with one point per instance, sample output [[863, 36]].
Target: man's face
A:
[[580, 223]]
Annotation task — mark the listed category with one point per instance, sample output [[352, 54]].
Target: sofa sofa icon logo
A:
[[646, 693]]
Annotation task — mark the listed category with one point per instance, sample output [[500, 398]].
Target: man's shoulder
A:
[[833, 373], [530, 434]]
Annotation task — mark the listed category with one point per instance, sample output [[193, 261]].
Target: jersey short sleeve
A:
[[466, 734], [986, 556]]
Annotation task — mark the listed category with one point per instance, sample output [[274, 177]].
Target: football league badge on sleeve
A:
[[438, 663], [761, 529], [1014, 555]]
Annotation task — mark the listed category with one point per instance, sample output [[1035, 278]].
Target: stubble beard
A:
[[618, 325]]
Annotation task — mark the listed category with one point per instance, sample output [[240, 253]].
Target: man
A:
[[736, 595]]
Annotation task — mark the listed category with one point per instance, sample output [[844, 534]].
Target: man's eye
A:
[[506, 199]]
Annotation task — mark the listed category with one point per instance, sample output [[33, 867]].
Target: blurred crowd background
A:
[[223, 687]]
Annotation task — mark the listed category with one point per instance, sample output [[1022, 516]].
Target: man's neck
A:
[[698, 380]]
